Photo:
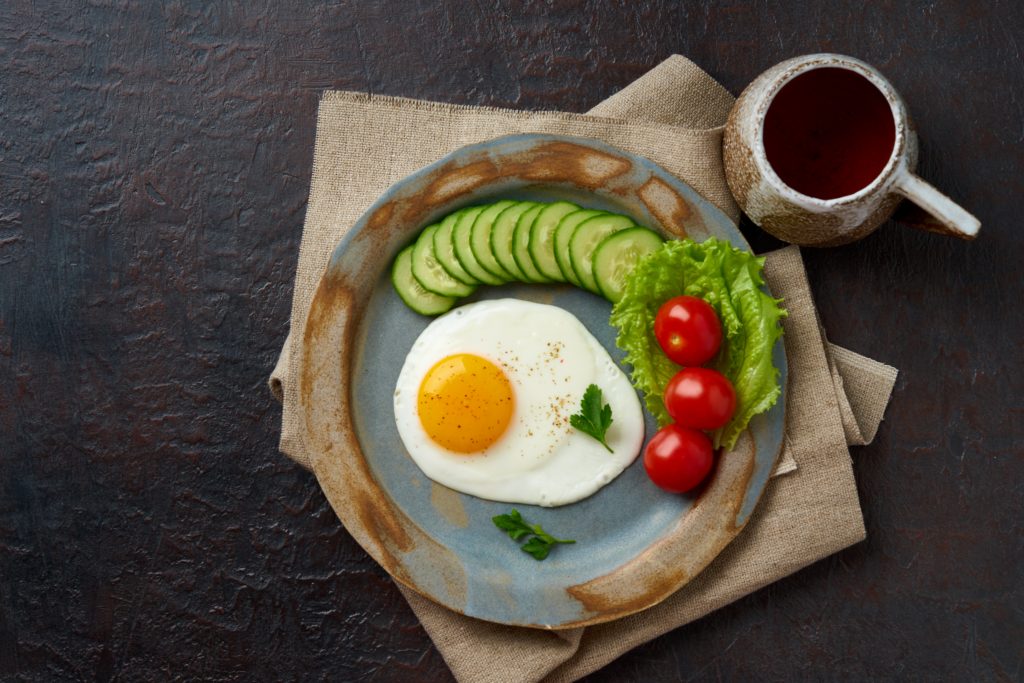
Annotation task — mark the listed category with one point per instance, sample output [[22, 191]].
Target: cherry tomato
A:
[[678, 459], [700, 398], [688, 330]]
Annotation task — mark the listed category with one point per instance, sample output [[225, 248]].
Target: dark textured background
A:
[[154, 168]]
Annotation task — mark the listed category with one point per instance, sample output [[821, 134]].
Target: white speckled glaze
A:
[[809, 221]]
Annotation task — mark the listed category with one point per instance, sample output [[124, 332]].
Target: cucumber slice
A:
[[429, 273], [588, 235], [542, 239], [563, 233], [461, 234], [480, 240], [617, 256], [444, 250], [411, 292], [521, 245], [501, 237]]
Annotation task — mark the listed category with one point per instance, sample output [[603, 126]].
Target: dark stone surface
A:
[[154, 167]]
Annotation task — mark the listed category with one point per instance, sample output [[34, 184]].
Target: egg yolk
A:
[[465, 403]]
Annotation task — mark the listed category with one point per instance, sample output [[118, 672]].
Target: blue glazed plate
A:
[[636, 544]]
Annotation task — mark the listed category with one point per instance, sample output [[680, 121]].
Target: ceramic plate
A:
[[635, 543]]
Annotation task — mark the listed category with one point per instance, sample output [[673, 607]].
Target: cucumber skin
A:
[[453, 269], [584, 277], [457, 288], [494, 267], [431, 304], [521, 236], [537, 252], [564, 234], [511, 266], [603, 286], [468, 261]]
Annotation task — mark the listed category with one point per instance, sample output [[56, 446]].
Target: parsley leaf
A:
[[512, 524], [536, 547], [593, 418], [540, 542]]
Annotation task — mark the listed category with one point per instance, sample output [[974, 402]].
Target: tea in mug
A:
[[829, 132]]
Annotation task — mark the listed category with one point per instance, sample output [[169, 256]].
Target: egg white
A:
[[549, 358]]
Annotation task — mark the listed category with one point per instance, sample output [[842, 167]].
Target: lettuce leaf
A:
[[731, 281]]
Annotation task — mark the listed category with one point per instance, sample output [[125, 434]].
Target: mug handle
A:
[[950, 217]]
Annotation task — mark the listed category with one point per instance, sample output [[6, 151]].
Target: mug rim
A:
[[826, 60]]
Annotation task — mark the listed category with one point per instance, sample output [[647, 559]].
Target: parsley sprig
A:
[[540, 543], [593, 418]]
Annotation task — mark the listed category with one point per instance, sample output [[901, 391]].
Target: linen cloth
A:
[[674, 116]]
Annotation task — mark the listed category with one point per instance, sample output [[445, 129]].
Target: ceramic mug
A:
[[819, 150]]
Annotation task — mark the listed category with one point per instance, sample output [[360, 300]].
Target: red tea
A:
[[829, 132]]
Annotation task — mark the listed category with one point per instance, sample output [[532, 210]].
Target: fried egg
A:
[[483, 400]]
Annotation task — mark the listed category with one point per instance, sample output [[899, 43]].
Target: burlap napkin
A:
[[673, 115]]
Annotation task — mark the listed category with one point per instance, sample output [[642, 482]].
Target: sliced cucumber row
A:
[[519, 241]]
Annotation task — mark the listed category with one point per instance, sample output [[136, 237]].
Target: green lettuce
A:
[[731, 281]]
